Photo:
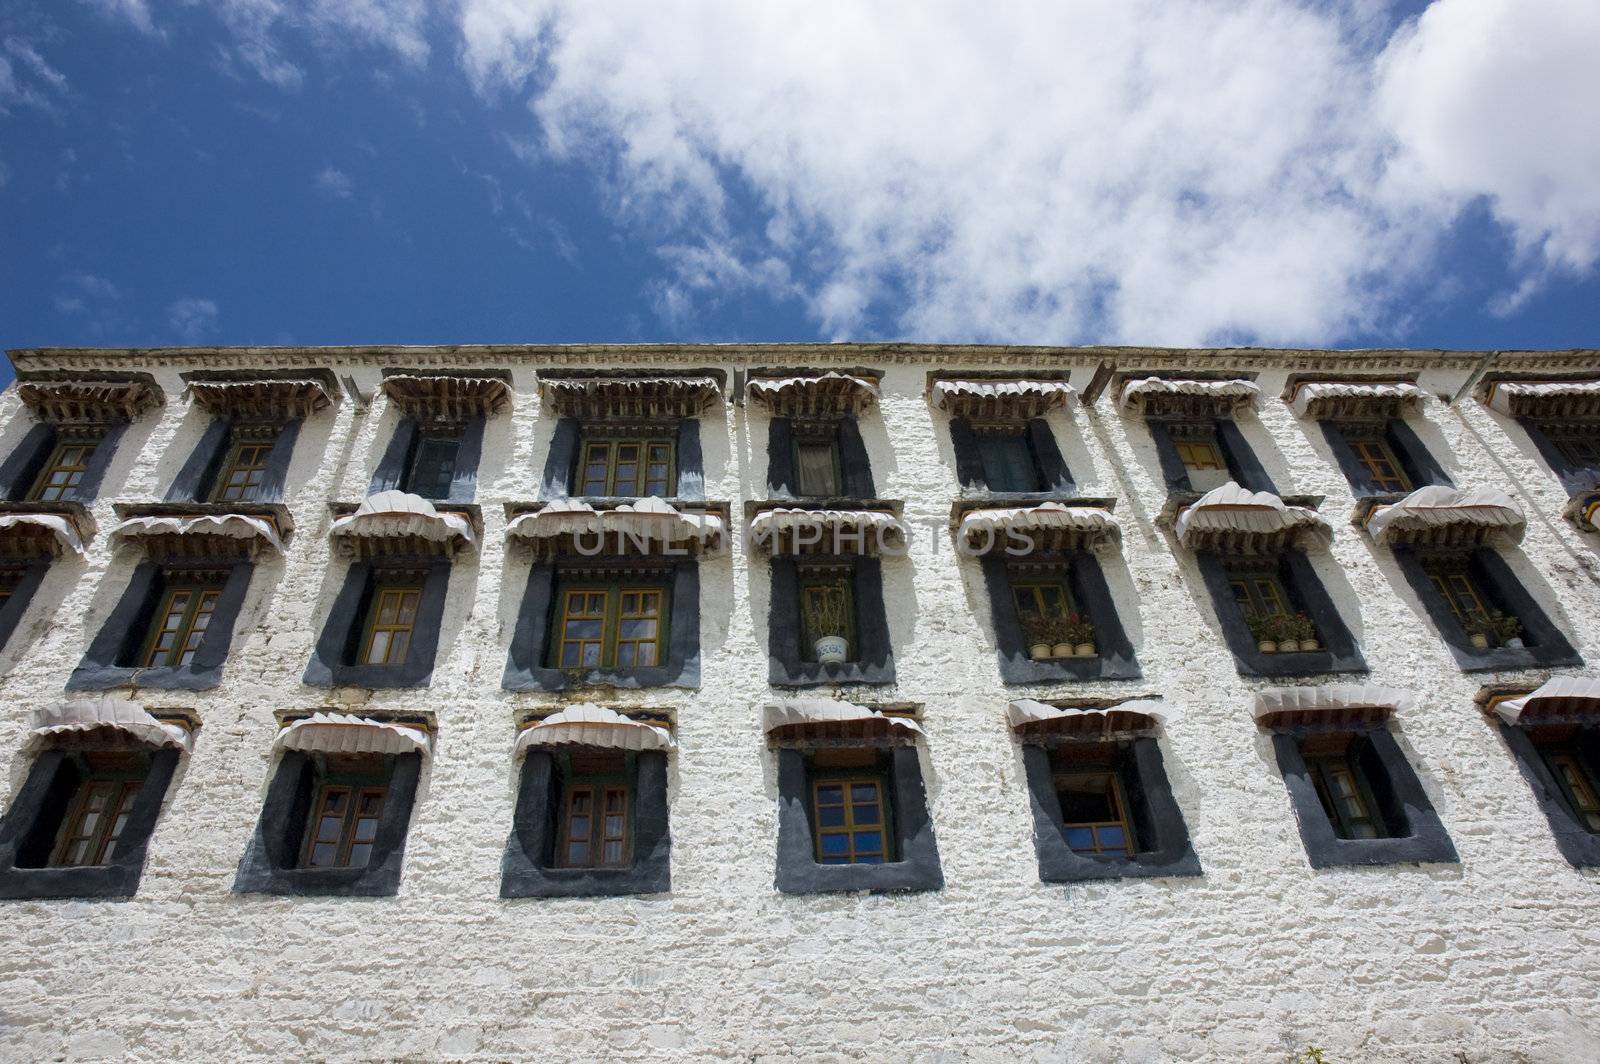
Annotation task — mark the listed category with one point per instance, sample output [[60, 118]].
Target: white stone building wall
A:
[[1492, 959]]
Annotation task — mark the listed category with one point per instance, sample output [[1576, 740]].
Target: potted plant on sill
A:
[[826, 617], [1080, 633], [1036, 634], [1059, 632], [1481, 631], [1304, 633], [1265, 632], [1507, 629]]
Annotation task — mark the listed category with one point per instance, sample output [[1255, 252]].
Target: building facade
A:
[[834, 701]]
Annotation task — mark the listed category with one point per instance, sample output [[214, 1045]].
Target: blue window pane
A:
[[863, 792], [869, 860], [867, 814], [830, 795], [831, 816], [1113, 838], [1080, 838], [832, 844], [869, 840]]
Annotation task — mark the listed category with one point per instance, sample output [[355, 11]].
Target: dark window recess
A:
[[1050, 600], [1200, 452], [589, 822], [432, 465], [817, 464], [1382, 457], [1276, 599], [1008, 460], [817, 458], [80, 825], [66, 466], [610, 625], [332, 824], [839, 597], [1561, 763], [1104, 810], [237, 461], [59, 463], [242, 476], [1358, 800], [383, 629], [827, 608], [18, 582], [631, 466], [1200, 455], [854, 818], [1483, 612]]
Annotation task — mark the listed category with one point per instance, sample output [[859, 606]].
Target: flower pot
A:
[[1039, 651], [1267, 646], [1480, 641], [1309, 644], [832, 649], [1061, 650], [1083, 650], [1515, 643]]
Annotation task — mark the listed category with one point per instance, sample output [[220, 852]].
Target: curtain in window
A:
[[816, 467]]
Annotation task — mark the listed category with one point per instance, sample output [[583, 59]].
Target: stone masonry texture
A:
[[1496, 958]]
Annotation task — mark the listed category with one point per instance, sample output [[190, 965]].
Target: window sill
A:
[[1024, 670], [374, 881], [1298, 663], [162, 678], [816, 674], [1066, 866], [88, 881], [1502, 659]]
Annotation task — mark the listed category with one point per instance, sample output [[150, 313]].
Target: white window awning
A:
[[650, 526], [1545, 399], [814, 395], [1331, 704], [272, 398], [1000, 399], [89, 401], [1048, 526], [1234, 518], [399, 515], [1352, 399], [1441, 516], [821, 718], [591, 725], [84, 716], [341, 733], [1563, 700], [785, 531], [631, 397], [259, 530], [1149, 395], [1028, 716], [446, 396], [52, 533]]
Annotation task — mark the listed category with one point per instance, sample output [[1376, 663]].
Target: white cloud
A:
[[136, 12], [191, 318], [334, 184], [261, 29], [26, 77]]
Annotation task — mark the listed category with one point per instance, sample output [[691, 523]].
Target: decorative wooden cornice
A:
[[266, 397], [450, 395], [89, 402]]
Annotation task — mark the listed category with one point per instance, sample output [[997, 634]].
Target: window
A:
[[827, 608], [182, 619], [344, 822], [64, 470], [1046, 599], [390, 623], [1259, 595], [615, 626], [1378, 460], [1201, 455], [1344, 797], [1094, 813], [1578, 443], [1008, 461], [850, 813], [244, 468], [432, 464], [626, 467], [1577, 785], [816, 463], [1469, 602], [595, 813], [99, 810]]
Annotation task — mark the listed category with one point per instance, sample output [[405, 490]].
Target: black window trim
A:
[[197, 477], [23, 465], [874, 650], [566, 443], [1055, 478], [334, 659], [1575, 842], [1415, 457], [1244, 468], [394, 468], [1340, 651]]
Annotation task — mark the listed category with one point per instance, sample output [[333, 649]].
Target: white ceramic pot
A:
[[1039, 651], [1267, 646], [1515, 643], [1480, 640], [832, 649], [1309, 644], [1083, 650], [1061, 650]]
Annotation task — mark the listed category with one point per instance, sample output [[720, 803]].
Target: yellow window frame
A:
[[610, 605], [393, 601], [69, 459], [185, 613], [605, 452], [849, 829]]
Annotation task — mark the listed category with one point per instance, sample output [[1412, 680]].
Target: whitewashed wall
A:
[[1494, 959]]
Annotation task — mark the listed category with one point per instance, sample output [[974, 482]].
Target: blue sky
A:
[[317, 172]]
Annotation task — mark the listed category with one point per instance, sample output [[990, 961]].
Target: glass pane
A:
[[647, 655], [399, 645], [328, 829], [866, 814], [1113, 838], [577, 853], [832, 794], [863, 792], [816, 465], [835, 844], [366, 829], [379, 652], [830, 816], [360, 854], [612, 853], [322, 854], [1079, 838], [868, 842]]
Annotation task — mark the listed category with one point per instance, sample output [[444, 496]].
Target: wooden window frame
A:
[[72, 442], [259, 440], [386, 590], [1252, 590], [356, 786], [1035, 586], [610, 623], [1323, 770], [845, 780], [427, 435], [205, 592], [801, 440], [122, 781], [1578, 786], [599, 789], [817, 581], [1117, 792], [641, 482], [1461, 591], [1373, 452]]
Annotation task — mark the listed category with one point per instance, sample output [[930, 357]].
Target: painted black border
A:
[[332, 659], [874, 662]]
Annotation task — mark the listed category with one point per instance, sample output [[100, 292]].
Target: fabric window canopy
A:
[[1028, 716], [815, 395], [1149, 395], [275, 399], [630, 397], [1563, 700], [649, 526], [1545, 399], [340, 733], [446, 396], [224, 526], [785, 531], [1057, 525], [1234, 518], [88, 402], [1000, 399], [1330, 704], [84, 716], [39, 534], [399, 515], [590, 725], [1443, 516], [1353, 399], [821, 718]]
